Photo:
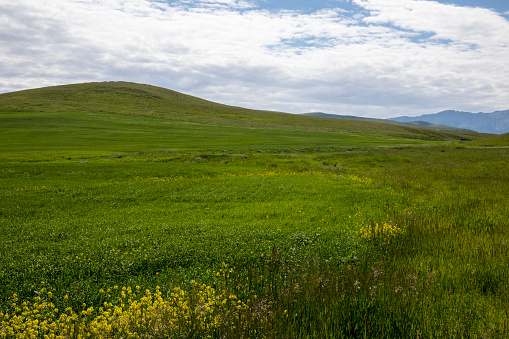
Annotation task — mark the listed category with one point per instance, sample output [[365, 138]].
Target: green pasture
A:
[[94, 223], [285, 220], [84, 134]]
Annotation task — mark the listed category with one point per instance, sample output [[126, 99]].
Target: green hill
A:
[[492, 141], [151, 101]]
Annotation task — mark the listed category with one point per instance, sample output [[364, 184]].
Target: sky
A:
[[370, 58]]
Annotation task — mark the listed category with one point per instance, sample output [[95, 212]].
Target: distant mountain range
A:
[[496, 122], [423, 124], [451, 121]]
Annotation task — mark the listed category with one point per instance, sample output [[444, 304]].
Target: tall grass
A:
[[408, 242]]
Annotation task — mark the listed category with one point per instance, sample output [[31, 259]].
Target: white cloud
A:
[[467, 25], [379, 63], [229, 3]]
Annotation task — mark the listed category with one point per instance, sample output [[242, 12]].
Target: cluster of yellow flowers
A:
[[360, 180], [34, 189], [179, 314], [382, 230], [231, 175], [274, 173], [138, 178]]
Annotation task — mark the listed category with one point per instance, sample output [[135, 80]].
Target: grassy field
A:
[[69, 134], [122, 226]]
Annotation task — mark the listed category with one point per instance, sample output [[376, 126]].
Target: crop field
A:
[[152, 229]]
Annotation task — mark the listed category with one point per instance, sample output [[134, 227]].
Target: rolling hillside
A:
[[150, 101], [494, 141]]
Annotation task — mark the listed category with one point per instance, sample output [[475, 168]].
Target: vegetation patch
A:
[[159, 228]]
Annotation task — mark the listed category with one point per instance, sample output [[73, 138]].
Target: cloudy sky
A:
[[373, 58]]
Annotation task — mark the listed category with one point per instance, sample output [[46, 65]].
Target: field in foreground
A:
[[389, 243]]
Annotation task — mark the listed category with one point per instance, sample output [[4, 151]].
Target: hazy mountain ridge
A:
[[496, 122], [422, 124]]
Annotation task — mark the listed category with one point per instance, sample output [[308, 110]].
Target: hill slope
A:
[[495, 141], [151, 101], [496, 122]]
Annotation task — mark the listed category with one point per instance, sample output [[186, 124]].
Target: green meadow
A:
[[122, 225], [74, 133]]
